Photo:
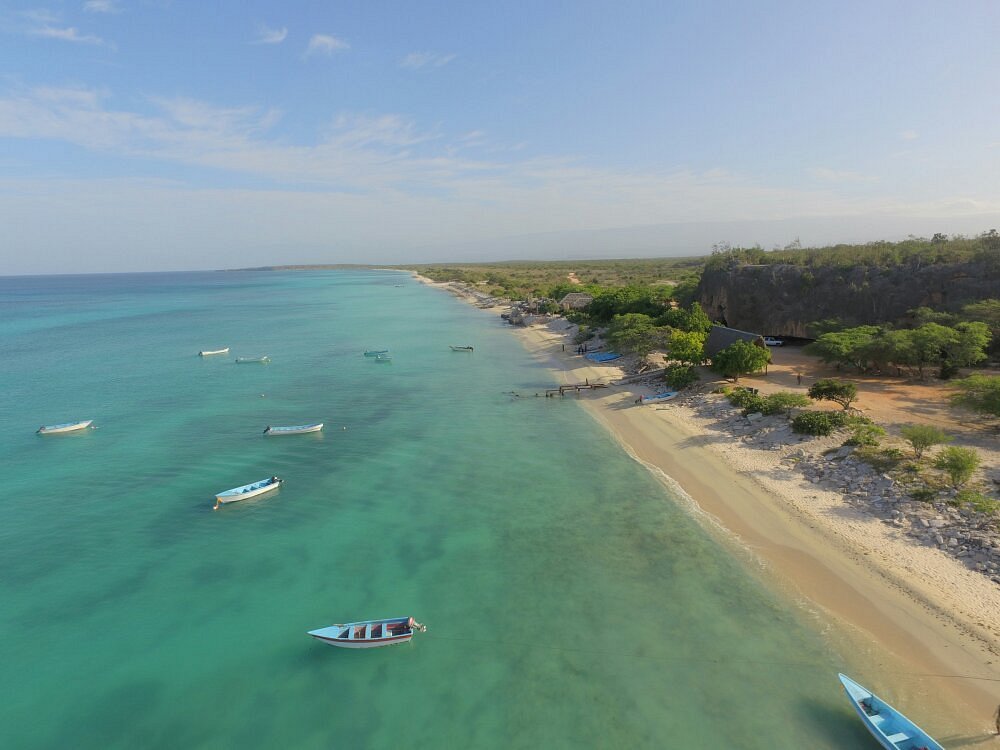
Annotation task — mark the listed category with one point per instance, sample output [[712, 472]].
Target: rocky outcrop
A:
[[782, 300]]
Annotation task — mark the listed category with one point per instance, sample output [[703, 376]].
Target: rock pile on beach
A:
[[960, 532]]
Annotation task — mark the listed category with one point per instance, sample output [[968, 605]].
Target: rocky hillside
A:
[[781, 300]]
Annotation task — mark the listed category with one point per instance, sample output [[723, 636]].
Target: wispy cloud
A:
[[841, 175], [425, 59], [325, 44], [267, 35], [909, 135], [40, 15], [101, 6], [67, 34]]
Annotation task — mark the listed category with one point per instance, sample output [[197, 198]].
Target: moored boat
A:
[[887, 725], [58, 429], [658, 397], [248, 490], [294, 430], [210, 352], [383, 358], [247, 360], [375, 352], [461, 348], [369, 633]]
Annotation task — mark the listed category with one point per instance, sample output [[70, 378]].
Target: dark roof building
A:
[[575, 301], [720, 337]]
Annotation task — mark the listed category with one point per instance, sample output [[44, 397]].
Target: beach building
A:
[[575, 301], [720, 337]]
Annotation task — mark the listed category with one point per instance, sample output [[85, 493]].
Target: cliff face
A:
[[781, 300]]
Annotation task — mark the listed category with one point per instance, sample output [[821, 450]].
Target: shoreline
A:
[[927, 614]]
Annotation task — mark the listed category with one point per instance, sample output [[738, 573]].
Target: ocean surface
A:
[[570, 602]]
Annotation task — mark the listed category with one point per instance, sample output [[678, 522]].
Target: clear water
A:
[[570, 603]]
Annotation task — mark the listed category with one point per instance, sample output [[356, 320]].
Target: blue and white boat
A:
[[375, 352], [248, 360], [247, 491], [58, 429], [658, 397], [369, 633], [210, 352], [301, 429], [887, 725]]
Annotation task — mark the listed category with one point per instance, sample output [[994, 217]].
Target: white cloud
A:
[[266, 35], [101, 6], [909, 135], [425, 59], [68, 34], [325, 44], [40, 15]]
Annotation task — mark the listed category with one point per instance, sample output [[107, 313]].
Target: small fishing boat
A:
[[658, 397], [247, 491], [58, 429], [247, 360], [461, 348], [383, 358], [375, 352], [369, 633], [210, 352], [887, 725], [296, 430]]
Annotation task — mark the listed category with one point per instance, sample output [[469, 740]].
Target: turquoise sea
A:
[[570, 602]]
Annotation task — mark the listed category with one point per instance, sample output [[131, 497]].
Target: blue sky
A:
[[149, 134]]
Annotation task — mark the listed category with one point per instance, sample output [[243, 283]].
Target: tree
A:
[[740, 358], [958, 463], [634, 333], [969, 345], [923, 436], [930, 342], [697, 320], [687, 347], [845, 347], [621, 301], [980, 393], [680, 376], [838, 391]]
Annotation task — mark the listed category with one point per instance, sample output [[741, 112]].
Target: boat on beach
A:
[[301, 429], [887, 725], [248, 360], [369, 633], [658, 397], [375, 352], [210, 352], [461, 348], [247, 491], [58, 429]]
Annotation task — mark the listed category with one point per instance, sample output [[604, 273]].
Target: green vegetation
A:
[[635, 333], [819, 423], [980, 393], [837, 391], [958, 463], [782, 402], [679, 377], [740, 358], [979, 502], [922, 436], [863, 432], [687, 347]]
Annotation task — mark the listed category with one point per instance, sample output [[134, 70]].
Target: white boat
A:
[[369, 633], [247, 491], [658, 397], [58, 429], [296, 430], [210, 352], [247, 360], [383, 358]]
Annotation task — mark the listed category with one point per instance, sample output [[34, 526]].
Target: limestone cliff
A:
[[781, 300]]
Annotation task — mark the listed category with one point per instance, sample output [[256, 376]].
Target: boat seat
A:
[[898, 737], [876, 719]]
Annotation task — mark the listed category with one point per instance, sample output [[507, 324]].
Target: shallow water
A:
[[569, 601]]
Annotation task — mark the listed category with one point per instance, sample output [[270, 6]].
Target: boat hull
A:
[[62, 429], [376, 352], [374, 643], [301, 430], [246, 492], [889, 727], [462, 349], [213, 352], [252, 360]]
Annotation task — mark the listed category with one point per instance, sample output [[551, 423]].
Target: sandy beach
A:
[[938, 621]]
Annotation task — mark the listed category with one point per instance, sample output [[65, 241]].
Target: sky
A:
[[142, 135]]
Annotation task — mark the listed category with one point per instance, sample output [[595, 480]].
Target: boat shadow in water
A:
[[841, 719]]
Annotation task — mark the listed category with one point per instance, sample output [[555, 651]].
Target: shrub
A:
[[864, 434], [783, 402], [838, 391], [813, 423], [958, 463], [681, 376], [585, 333], [885, 459], [979, 502], [923, 436], [924, 494], [753, 405], [740, 358]]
